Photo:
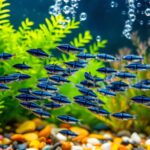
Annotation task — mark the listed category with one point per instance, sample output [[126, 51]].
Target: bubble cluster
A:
[[136, 12], [67, 8]]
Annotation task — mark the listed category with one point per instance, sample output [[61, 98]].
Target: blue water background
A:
[[102, 19]]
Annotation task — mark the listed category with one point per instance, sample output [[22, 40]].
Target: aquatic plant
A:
[[47, 36]]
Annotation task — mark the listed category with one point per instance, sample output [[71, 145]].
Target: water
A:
[[39, 64]]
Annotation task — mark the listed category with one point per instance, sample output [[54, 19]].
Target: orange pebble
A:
[[122, 147], [18, 137], [42, 139], [46, 131], [42, 144], [66, 146], [64, 125]]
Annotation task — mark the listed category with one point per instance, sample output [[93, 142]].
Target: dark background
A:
[[102, 19]]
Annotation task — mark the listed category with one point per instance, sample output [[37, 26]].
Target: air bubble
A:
[[98, 38], [83, 16], [147, 12]]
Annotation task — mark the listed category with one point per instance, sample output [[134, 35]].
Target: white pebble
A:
[[106, 146], [61, 137], [147, 142], [93, 141], [135, 138], [76, 148], [107, 136]]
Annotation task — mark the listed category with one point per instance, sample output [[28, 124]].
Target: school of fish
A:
[[48, 87]]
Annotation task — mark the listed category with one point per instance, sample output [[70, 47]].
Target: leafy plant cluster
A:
[[47, 36]]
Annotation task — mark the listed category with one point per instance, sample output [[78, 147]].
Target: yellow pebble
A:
[[34, 144], [6, 141], [27, 126], [30, 136]]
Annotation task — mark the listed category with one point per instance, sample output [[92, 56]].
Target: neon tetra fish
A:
[[132, 57], [37, 52], [68, 119], [5, 56], [76, 64], [99, 111], [58, 79], [41, 113], [30, 105], [20, 76], [106, 57], [27, 97], [141, 99], [107, 92], [123, 116], [68, 133], [46, 87], [42, 94], [60, 99], [125, 75], [3, 87], [52, 105], [22, 66], [54, 68], [25, 90], [106, 70], [85, 56], [7, 79], [66, 48]]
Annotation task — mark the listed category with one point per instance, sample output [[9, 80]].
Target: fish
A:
[[85, 103], [54, 68], [25, 90], [106, 70], [67, 48], [30, 105], [94, 79], [58, 79], [106, 57], [119, 84], [76, 64], [106, 92], [138, 66], [68, 133], [7, 79], [60, 99], [141, 86], [85, 56], [86, 91], [5, 56], [27, 97], [47, 81], [89, 98], [125, 75], [19, 76], [22, 66], [141, 99], [89, 84], [68, 119], [131, 57], [3, 87], [123, 116], [42, 94], [99, 111], [41, 113], [46, 87], [115, 88], [52, 105], [146, 82], [37, 52], [68, 72]]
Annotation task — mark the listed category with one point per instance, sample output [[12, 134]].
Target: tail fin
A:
[[148, 66]]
